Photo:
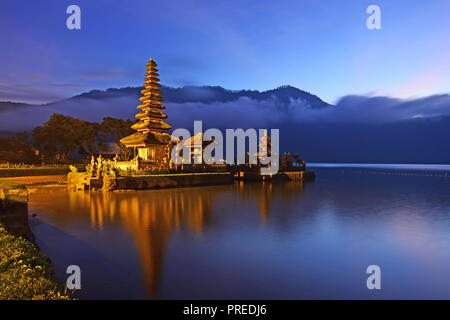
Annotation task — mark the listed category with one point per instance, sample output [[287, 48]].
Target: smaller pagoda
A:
[[265, 147], [151, 141]]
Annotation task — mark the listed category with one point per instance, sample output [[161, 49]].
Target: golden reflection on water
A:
[[151, 216], [265, 192]]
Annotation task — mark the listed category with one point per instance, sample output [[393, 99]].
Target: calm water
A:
[[255, 240]]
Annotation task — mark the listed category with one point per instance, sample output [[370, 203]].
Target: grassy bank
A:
[[5, 184], [25, 273]]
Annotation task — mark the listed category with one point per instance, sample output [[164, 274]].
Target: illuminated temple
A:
[[151, 141]]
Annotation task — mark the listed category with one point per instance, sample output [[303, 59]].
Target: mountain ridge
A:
[[210, 94]]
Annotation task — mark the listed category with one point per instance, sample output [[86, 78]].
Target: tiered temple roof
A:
[[265, 146], [151, 129]]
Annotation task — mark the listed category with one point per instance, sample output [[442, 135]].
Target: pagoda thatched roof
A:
[[140, 139], [151, 129], [151, 114], [154, 126], [190, 143], [148, 106], [151, 63]]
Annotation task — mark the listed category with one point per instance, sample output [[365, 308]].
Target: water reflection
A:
[[288, 240], [265, 193], [152, 216]]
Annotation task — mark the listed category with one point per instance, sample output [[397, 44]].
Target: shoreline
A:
[[25, 272]]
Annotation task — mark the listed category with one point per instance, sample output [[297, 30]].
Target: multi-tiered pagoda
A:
[[265, 148], [151, 140]]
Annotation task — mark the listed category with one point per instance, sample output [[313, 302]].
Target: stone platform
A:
[[285, 175], [80, 181]]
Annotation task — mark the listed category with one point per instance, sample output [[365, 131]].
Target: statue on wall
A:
[[99, 166], [91, 168]]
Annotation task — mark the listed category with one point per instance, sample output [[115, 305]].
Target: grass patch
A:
[[26, 273], [38, 171], [23, 170]]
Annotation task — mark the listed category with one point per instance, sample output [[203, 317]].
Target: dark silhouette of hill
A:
[[211, 94]]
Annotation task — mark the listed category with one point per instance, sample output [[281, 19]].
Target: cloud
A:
[[377, 110], [36, 93], [26, 118], [242, 113], [246, 112], [27, 93]]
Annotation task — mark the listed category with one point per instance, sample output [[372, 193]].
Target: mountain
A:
[[356, 129], [210, 94], [121, 103]]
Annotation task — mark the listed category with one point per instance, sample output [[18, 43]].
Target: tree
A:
[[299, 161], [112, 130], [63, 134], [23, 137], [16, 150]]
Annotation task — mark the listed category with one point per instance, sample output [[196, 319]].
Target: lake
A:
[[284, 240]]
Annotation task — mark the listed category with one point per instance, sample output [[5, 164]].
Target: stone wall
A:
[[14, 210], [172, 181], [299, 175], [255, 175], [80, 181]]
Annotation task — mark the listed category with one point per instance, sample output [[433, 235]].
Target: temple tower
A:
[[265, 147], [151, 140], [151, 118]]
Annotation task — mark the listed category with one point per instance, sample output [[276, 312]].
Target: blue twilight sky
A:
[[323, 47]]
